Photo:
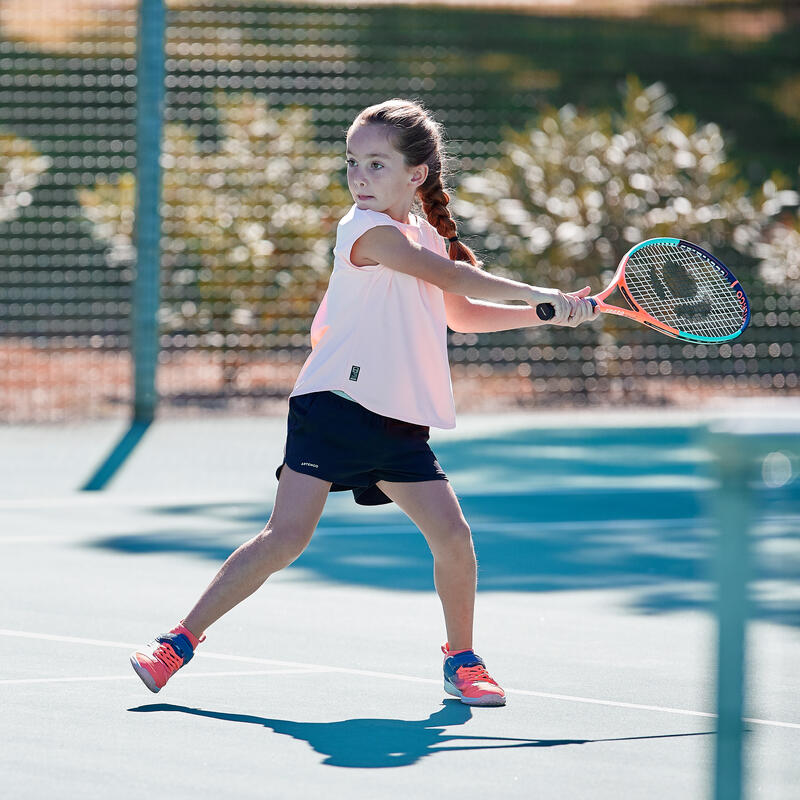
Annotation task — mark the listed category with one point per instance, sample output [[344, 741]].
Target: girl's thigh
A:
[[431, 505], [299, 502]]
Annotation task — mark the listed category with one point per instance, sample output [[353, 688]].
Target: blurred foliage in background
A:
[[248, 222], [20, 168], [573, 191], [555, 174]]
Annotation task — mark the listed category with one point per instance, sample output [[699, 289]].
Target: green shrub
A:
[[570, 194], [248, 222]]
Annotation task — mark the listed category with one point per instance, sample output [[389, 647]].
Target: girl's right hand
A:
[[560, 302]]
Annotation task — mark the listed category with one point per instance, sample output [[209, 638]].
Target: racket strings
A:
[[680, 288]]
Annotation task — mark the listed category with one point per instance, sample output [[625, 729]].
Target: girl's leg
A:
[[433, 507], [298, 506]]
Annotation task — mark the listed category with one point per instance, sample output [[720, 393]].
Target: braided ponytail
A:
[[435, 201], [418, 137]]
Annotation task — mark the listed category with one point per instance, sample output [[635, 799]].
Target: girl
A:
[[377, 378]]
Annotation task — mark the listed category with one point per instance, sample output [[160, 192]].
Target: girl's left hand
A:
[[581, 309]]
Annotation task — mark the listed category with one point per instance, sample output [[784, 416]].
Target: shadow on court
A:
[[551, 510], [382, 743]]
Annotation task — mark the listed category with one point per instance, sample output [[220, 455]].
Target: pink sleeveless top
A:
[[380, 335]]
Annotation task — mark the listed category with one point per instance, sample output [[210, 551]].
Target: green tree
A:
[[570, 194], [248, 223]]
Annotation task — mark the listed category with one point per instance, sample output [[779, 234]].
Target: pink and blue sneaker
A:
[[466, 678], [160, 659]]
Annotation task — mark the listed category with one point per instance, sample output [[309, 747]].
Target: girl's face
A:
[[377, 175]]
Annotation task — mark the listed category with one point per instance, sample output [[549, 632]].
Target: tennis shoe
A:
[[466, 678], [160, 659]]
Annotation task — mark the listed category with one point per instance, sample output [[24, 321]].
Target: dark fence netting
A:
[[569, 139]]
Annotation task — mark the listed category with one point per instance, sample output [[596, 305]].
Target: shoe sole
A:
[[147, 678], [486, 700]]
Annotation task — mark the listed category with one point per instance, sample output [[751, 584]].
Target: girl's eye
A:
[[376, 165], [350, 162]]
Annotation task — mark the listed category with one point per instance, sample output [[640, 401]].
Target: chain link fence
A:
[[619, 140]]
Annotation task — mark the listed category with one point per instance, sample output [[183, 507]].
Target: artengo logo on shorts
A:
[[309, 464]]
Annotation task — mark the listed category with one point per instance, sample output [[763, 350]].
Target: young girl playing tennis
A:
[[377, 378]]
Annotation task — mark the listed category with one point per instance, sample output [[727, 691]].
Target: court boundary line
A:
[[295, 665], [134, 677]]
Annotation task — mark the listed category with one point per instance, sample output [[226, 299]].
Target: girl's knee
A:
[[454, 539], [280, 544]]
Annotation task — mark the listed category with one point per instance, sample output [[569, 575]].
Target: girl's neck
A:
[[401, 211]]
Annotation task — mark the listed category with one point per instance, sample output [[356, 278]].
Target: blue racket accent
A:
[[659, 240]]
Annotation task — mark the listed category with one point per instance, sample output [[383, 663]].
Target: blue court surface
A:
[[595, 612]]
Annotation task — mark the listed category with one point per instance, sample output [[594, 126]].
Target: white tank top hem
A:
[[379, 335]]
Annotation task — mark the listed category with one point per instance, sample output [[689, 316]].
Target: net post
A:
[[146, 282], [149, 111], [732, 509], [756, 451]]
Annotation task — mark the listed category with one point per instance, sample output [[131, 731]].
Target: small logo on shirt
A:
[[354, 373], [309, 464]]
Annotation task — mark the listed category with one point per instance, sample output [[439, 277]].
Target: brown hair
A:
[[417, 136]]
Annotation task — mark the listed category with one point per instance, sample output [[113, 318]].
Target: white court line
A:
[[294, 665], [90, 678]]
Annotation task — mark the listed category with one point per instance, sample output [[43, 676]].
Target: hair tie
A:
[[452, 238]]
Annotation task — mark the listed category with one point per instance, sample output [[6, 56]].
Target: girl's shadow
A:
[[379, 743]]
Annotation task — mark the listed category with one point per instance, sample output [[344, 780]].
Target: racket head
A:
[[682, 290]]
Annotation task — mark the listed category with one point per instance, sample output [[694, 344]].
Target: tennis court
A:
[[172, 182], [595, 612]]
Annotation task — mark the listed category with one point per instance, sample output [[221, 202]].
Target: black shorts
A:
[[338, 440]]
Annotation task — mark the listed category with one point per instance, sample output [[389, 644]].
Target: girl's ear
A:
[[419, 174]]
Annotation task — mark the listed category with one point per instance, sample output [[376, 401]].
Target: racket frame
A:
[[636, 313]]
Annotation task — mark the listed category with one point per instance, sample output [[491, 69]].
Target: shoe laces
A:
[[475, 673], [168, 656]]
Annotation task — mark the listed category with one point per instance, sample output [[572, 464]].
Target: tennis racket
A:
[[677, 288]]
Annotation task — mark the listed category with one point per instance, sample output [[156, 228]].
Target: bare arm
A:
[[388, 246], [474, 316]]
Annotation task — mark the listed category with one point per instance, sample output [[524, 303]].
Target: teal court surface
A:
[[595, 612]]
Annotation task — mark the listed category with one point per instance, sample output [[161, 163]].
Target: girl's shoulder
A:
[[426, 226], [358, 220], [364, 217]]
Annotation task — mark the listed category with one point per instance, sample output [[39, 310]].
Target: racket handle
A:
[[546, 311]]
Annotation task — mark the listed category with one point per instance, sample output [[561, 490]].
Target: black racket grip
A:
[[545, 311]]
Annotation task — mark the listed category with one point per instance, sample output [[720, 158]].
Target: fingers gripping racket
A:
[[677, 288]]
